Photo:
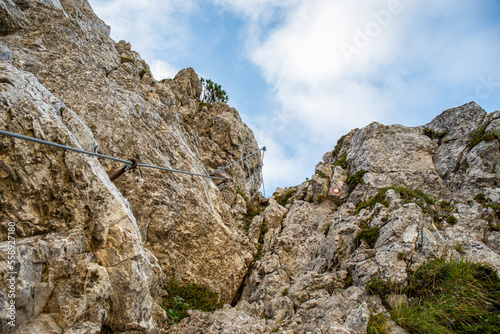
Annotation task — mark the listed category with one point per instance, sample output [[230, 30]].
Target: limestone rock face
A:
[[92, 255], [311, 276]]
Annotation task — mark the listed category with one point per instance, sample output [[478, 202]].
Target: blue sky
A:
[[303, 73]]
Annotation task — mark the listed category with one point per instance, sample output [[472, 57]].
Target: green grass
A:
[[369, 235], [338, 147], [433, 134], [327, 228], [252, 210], [182, 298], [283, 200], [408, 196], [341, 161], [370, 203], [321, 174], [202, 104], [450, 297], [126, 60], [377, 324], [143, 72], [481, 135], [486, 202], [452, 220], [353, 180], [284, 292]]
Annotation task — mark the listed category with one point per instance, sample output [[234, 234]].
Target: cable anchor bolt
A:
[[129, 165]]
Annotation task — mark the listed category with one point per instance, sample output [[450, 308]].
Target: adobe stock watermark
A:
[[363, 38], [11, 275], [485, 88]]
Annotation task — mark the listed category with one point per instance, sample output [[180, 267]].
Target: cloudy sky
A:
[[303, 73]]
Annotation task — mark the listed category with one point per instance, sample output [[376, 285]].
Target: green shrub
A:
[[477, 136], [353, 180], [349, 281], [143, 72], [284, 292], [182, 298], [486, 202], [411, 195], [369, 235], [459, 248], [211, 92], [327, 228], [341, 162], [126, 60], [338, 147], [321, 174], [202, 104], [283, 200], [433, 134], [490, 136], [252, 210], [451, 297], [383, 287], [452, 220], [377, 324], [378, 198]]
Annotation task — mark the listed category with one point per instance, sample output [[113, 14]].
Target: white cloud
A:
[[151, 26], [162, 70], [405, 57]]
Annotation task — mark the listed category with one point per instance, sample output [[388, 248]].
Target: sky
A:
[[303, 73]]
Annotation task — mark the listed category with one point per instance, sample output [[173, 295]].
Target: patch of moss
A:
[[356, 178], [202, 104]]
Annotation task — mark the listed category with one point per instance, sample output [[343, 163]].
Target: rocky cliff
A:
[[93, 256], [428, 192]]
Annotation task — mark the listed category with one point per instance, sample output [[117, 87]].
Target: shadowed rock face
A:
[[93, 255]]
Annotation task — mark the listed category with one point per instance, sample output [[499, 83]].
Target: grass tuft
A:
[[369, 235], [377, 324], [451, 297], [341, 162], [126, 60], [182, 298], [353, 180], [283, 200]]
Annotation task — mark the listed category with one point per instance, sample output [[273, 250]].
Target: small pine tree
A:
[[211, 92]]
